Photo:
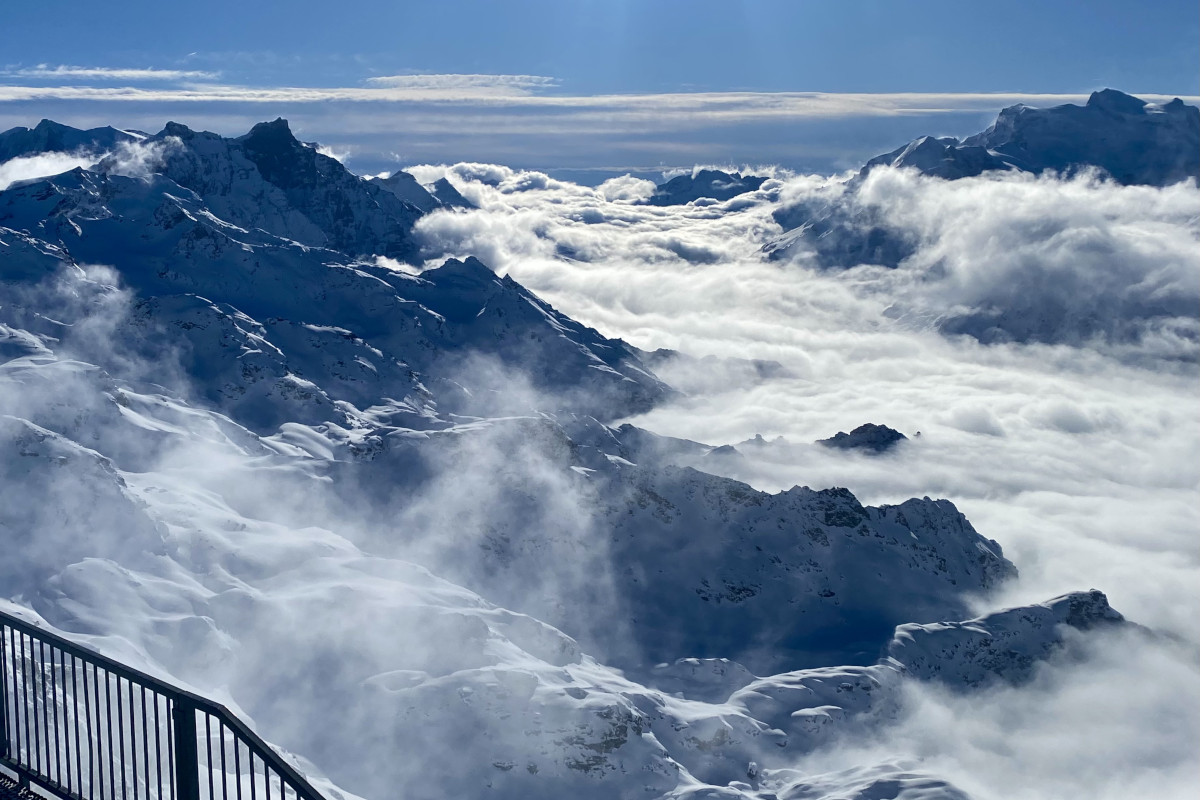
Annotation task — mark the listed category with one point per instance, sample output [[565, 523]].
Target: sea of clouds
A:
[[1042, 337]]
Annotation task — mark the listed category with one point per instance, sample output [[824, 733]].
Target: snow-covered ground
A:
[[430, 531]]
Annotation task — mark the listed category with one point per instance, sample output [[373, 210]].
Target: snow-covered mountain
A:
[[440, 194], [387, 511], [268, 179], [1130, 139], [1124, 137], [49, 137], [710, 184], [239, 286]]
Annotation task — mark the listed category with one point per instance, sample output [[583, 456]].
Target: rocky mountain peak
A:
[[1116, 101], [177, 129], [869, 438]]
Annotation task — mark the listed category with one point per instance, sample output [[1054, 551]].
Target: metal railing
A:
[[84, 727]]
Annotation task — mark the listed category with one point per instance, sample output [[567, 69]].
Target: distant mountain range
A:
[[1133, 141], [1118, 135]]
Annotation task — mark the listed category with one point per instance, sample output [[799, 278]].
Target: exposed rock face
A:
[[869, 438]]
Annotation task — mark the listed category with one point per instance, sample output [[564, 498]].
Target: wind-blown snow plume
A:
[[40, 166]]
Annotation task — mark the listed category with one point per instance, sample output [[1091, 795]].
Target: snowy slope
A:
[[213, 593], [164, 240], [268, 179]]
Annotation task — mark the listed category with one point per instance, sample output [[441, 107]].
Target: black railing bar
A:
[[87, 712], [4, 727], [171, 744], [146, 737], [237, 766], [62, 742], [253, 741], [121, 741], [26, 694], [17, 704], [224, 773], [31, 676], [112, 762], [21, 688], [58, 750], [158, 756], [208, 750], [67, 694], [41, 673], [133, 735], [25, 666], [99, 759], [145, 744], [10, 721], [133, 748], [75, 708]]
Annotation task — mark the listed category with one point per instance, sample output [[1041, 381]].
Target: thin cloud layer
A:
[[483, 84], [45, 71], [731, 106]]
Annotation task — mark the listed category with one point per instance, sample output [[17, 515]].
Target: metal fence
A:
[[81, 726]]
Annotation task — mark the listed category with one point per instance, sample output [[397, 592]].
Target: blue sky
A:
[[697, 81]]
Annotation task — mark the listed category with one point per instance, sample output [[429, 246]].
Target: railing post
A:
[[187, 763], [3, 693]]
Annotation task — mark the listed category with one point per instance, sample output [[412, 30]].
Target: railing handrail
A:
[[185, 698]]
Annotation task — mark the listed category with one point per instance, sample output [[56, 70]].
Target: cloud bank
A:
[[1062, 425], [1011, 429]]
